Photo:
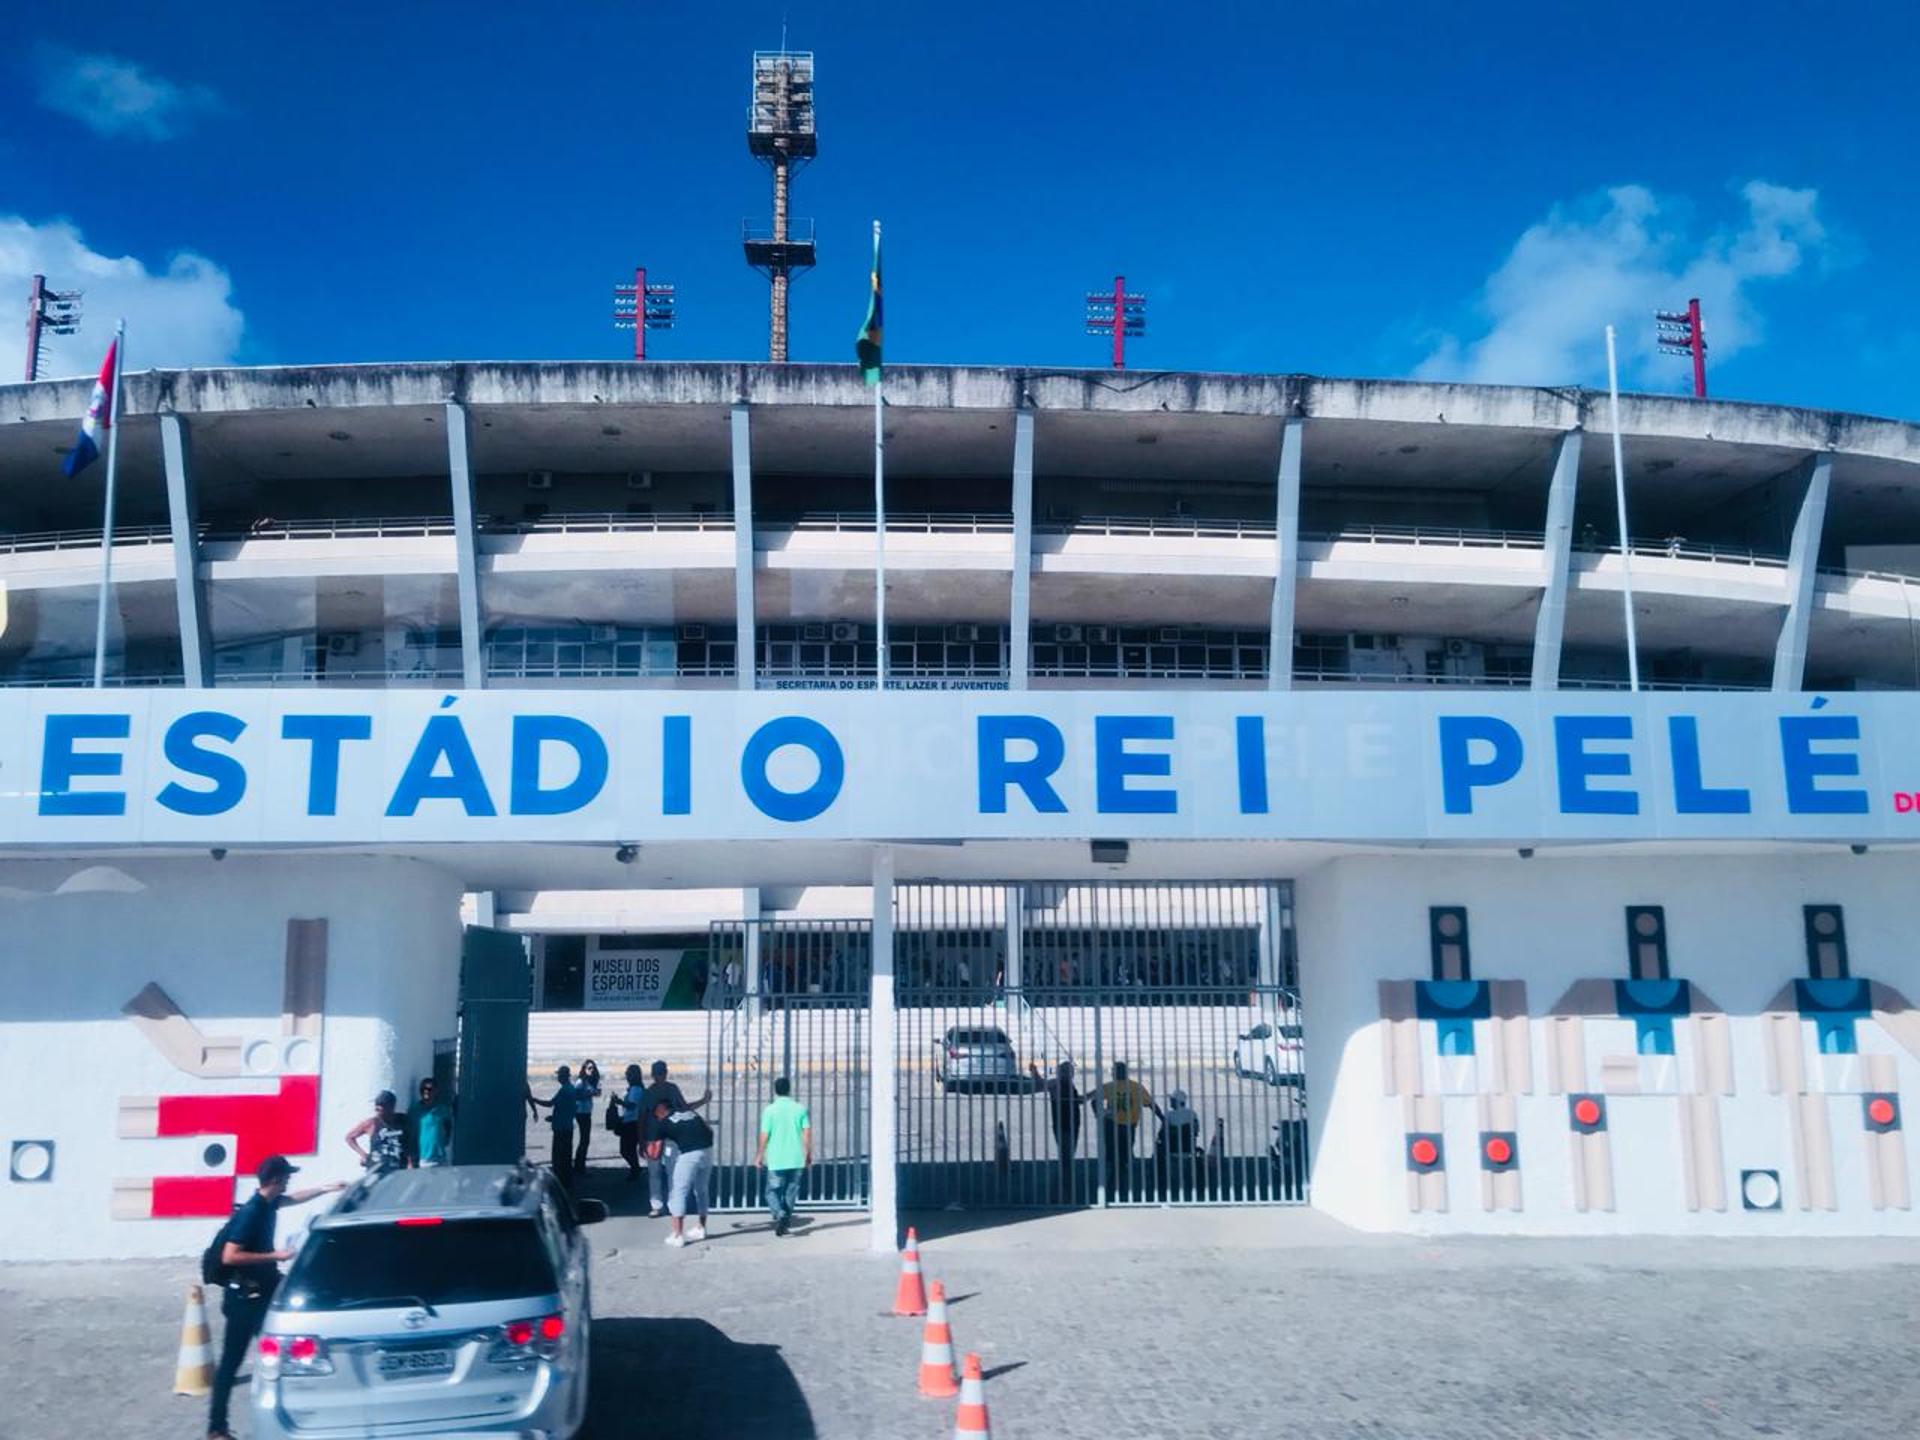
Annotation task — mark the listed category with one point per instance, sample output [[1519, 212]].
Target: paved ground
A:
[[1146, 1324]]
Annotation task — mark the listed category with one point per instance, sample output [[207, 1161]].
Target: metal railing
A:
[[906, 522]]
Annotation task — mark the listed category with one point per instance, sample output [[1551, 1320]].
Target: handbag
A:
[[613, 1116]]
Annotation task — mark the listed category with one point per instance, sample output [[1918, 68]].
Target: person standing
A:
[[786, 1149], [631, 1120], [384, 1136], [561, 1112], [589, 1087], [1123, 1104], [432, 1127], [252, 1270], [660, 1150], [1063, 1105], [693, 1138]]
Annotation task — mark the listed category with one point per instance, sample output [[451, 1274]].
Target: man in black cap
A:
[[385, 1134], [252, 1273]]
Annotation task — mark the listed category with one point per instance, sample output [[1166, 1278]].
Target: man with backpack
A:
[[243, 1261]]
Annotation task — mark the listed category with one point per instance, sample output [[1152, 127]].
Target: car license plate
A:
[[415, 1364]]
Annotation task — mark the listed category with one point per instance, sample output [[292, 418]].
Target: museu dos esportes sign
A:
[[277, 766]]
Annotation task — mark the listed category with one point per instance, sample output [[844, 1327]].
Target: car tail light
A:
[[533, 1339], [419, 1220], [294, 1355]]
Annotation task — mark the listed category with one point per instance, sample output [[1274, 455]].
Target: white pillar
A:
[[190, 596], [745, 661], [1803, 560], [882, 1119], [466, 545], [1550, 625], [1020, 625], [1286, 557], [750, 960], [1015, 904]]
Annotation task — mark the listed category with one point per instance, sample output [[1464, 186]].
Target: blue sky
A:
[[1345, 189]]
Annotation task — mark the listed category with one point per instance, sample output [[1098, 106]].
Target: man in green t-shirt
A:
[[786, 1149]]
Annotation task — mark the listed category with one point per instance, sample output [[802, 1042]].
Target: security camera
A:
[[627, 854], [218, 852]]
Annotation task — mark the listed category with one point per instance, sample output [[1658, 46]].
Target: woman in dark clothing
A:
[[588, 1084], [1063, 1104], [630, 1120]]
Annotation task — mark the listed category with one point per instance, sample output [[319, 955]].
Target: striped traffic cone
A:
[[970, 1422], [910, 1295], [193, 1371], [936, 1348]]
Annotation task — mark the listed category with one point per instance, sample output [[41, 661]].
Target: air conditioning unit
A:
[[1101, 635], [1167, 635], [540, 479], [813, 632], [640, 480], [966, 634], [1067, 634], [1459, 649], [693, 632], [845, 633], [345, 643]]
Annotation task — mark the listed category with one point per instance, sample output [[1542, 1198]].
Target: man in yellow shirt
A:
[[1123, 1104]]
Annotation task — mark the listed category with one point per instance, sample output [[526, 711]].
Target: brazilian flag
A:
[[867, 345]]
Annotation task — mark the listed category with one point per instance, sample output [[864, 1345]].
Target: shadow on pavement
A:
[[685, 1380], [938, 1224]]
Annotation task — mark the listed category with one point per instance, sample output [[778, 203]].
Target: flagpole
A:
[[879, 516], [106, 525], [1620, 501]]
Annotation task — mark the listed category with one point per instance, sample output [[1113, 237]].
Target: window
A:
[[460, 1262]]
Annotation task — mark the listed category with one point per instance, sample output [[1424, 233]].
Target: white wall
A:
[[213, 935], [1735, 928]]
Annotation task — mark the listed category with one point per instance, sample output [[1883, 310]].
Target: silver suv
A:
[[443, 1302]]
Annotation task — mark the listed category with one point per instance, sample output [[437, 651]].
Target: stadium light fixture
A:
[[1119, 312], [1680, 333], [641, 307]]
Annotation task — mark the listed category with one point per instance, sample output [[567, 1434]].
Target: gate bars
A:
[[793, 1002], [1015, 1005], [1019, 1004]]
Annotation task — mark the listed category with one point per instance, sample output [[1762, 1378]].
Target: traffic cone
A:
[[910, 1295], [193, 1372], [970, 1422], [936, 1348]]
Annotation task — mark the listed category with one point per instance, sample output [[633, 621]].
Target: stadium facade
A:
[[1271, 734]]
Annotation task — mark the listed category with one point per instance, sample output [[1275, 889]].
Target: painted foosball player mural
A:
[[1660, 1040], [1451, 1039], [282, 1120], [1837, 1037]]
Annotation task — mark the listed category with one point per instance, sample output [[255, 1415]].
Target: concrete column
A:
[[1016, 908], [1286, 557], [1550, 625], [189, 592], [466, 544], [486, 909], [882, 1121], [1803, 560], [744, 662], [750, 959], [1020, 626]]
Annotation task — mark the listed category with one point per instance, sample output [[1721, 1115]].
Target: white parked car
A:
[[1273, 1053]]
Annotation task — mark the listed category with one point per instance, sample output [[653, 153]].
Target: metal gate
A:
[[789, 997], [1099, 1044]]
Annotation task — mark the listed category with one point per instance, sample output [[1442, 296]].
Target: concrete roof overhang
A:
[[677, 413], [713, 865]]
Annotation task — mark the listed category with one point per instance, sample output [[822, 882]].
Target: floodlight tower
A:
[[641, 307], [49, 312], [1121, 312], [780, 132], [1680, 334]]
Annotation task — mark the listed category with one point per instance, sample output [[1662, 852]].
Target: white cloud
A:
[[1614, 258], [115, 97], [182, 315]]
